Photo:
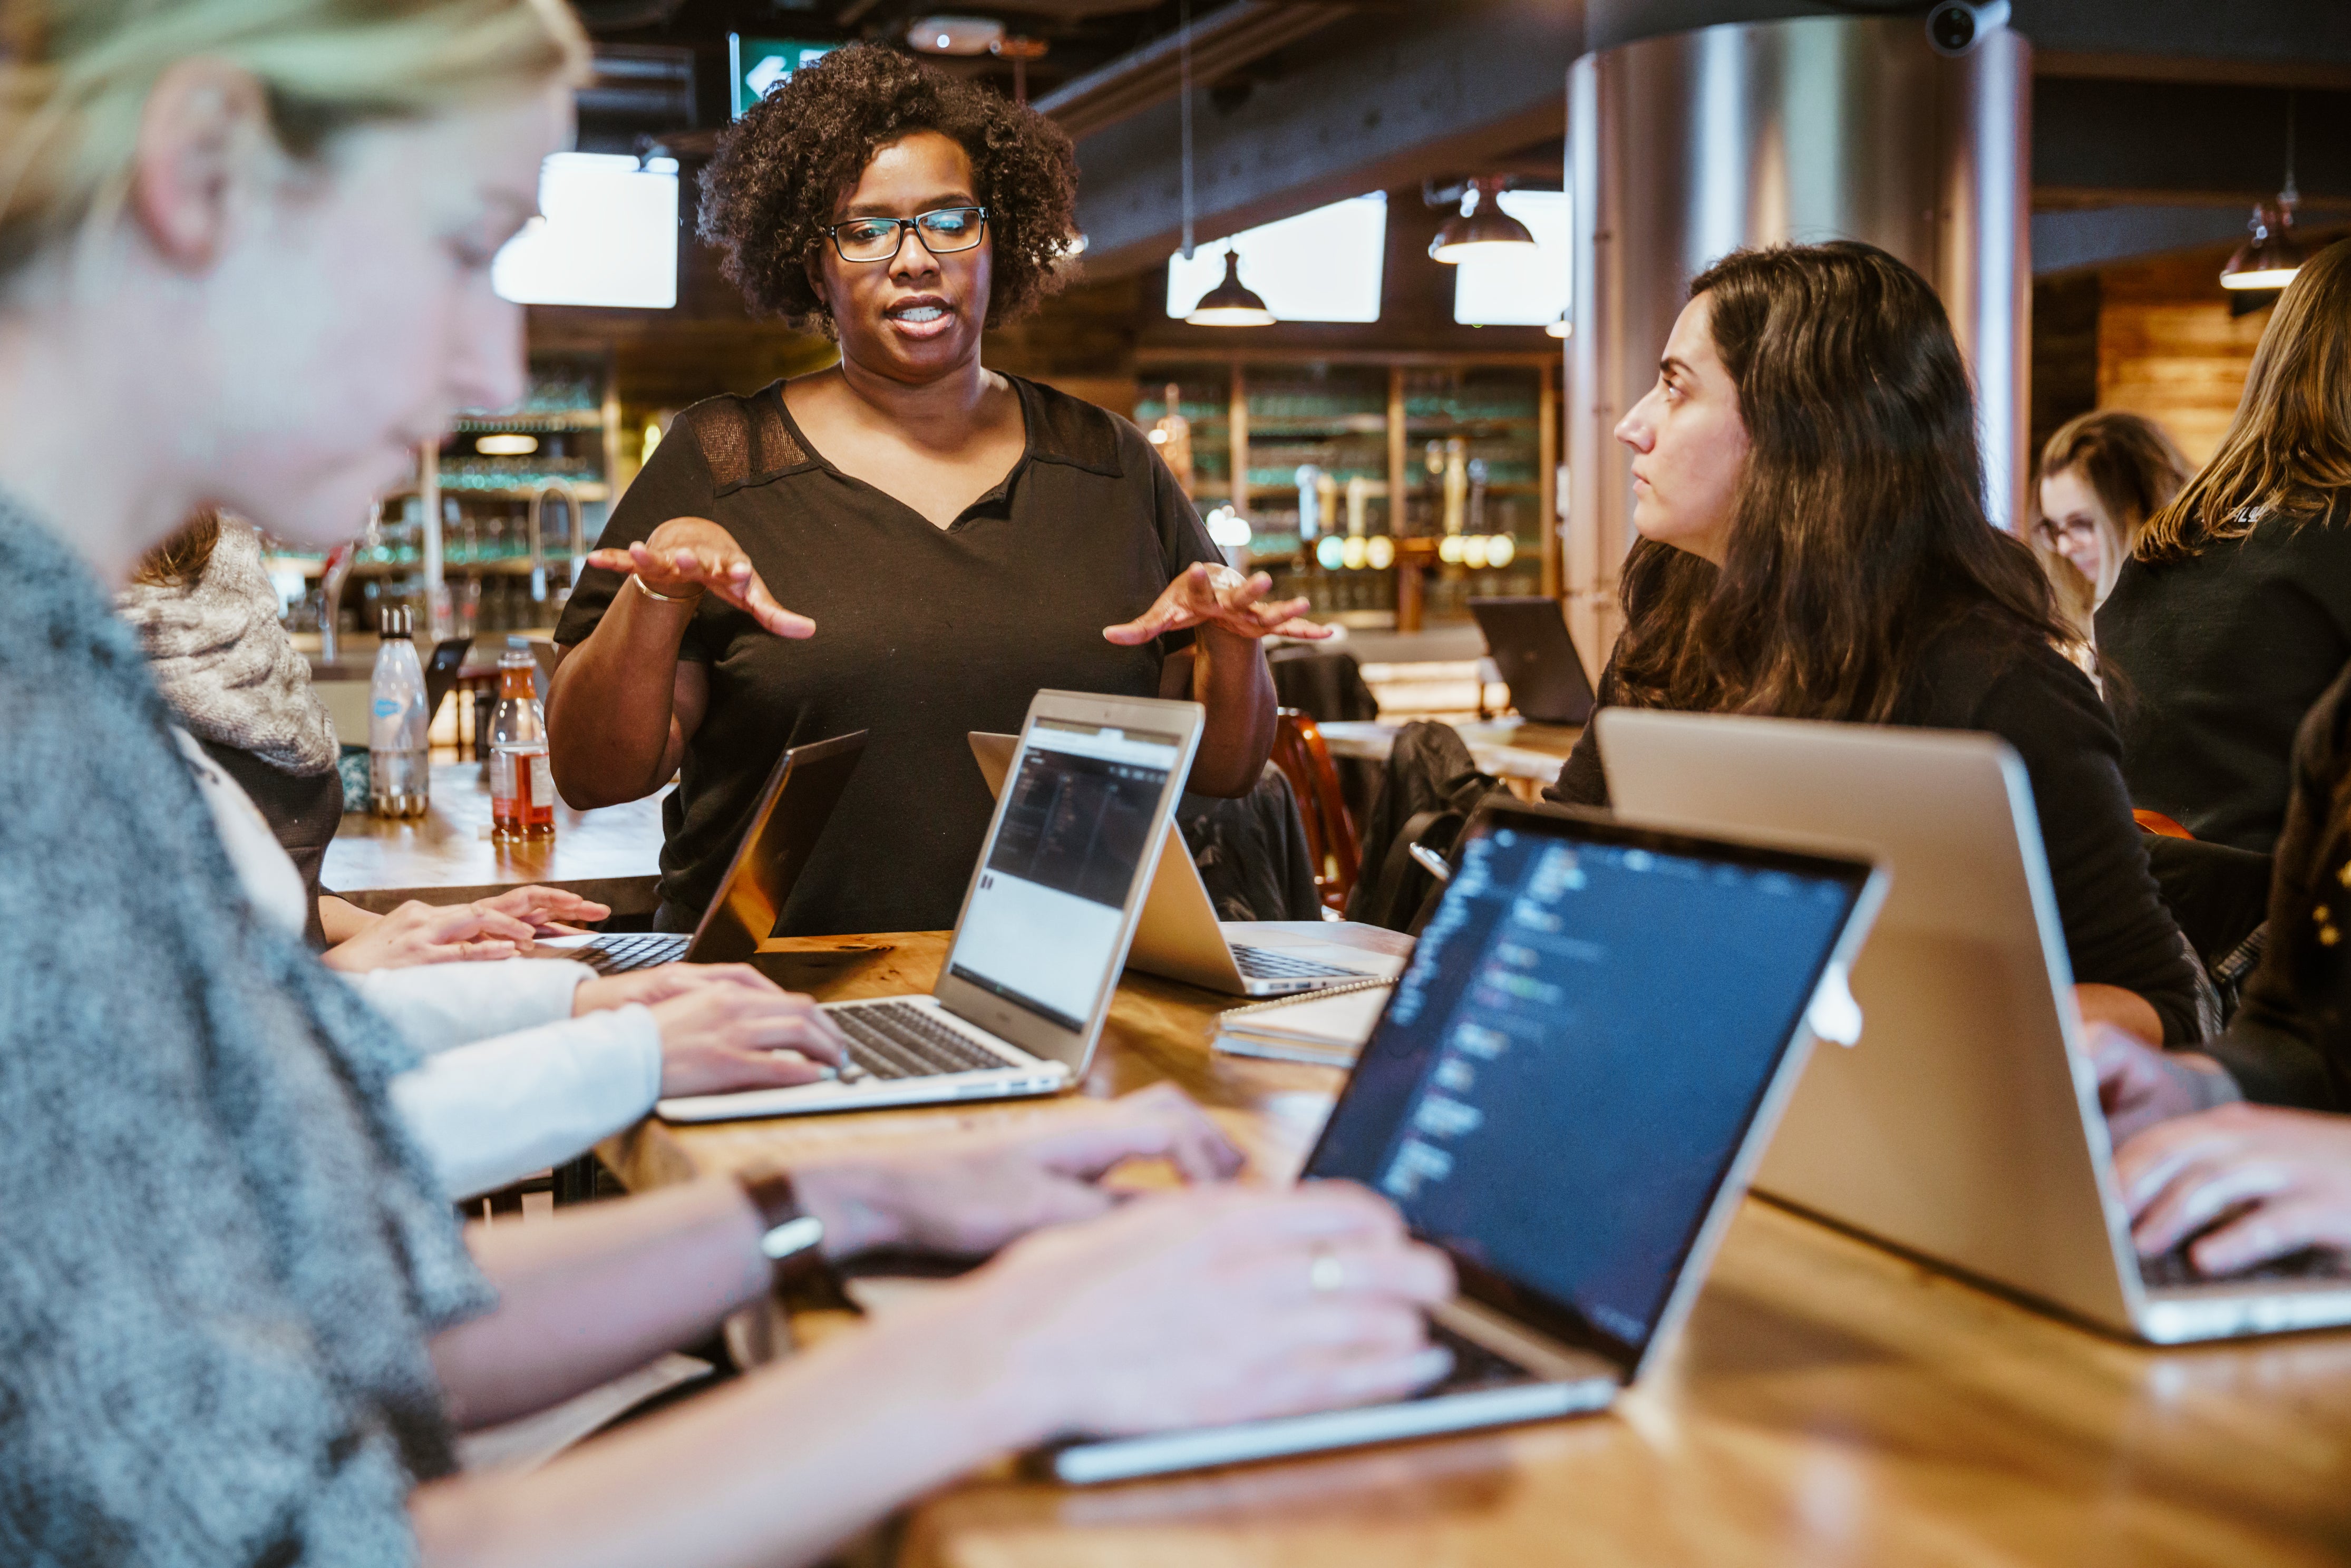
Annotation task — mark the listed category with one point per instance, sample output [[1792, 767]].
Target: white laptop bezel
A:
[[1037, 1035]]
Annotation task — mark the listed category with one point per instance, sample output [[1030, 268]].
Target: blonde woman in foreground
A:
[[242, 1326]]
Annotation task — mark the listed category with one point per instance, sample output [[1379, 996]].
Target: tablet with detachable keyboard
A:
[[1044, 930], [1566, 1092], [791, 816]]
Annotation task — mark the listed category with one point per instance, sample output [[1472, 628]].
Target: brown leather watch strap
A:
[[789, 1235]]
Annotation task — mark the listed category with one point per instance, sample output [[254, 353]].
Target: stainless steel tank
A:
[[1682, 147]]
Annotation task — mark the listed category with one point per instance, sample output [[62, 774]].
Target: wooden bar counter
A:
[[1828, 1404], [611, 854]]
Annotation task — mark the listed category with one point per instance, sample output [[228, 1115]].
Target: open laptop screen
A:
[[1078, 814], [1569, 1067]]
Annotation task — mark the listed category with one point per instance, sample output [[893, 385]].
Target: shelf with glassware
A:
[[1321, 445], [482, 542]]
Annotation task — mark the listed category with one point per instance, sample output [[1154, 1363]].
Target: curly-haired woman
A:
[[964, 537]]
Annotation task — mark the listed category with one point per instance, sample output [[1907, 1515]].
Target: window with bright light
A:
[[1322, 265], [1526, 289], [608, 235]]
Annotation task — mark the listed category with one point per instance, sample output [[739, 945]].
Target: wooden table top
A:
[[611, 854], [1506, 747], [1828, 1404]]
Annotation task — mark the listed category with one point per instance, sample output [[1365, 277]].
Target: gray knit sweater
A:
[[220, 1258]]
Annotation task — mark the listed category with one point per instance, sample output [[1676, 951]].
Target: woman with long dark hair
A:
[[1809, 492]]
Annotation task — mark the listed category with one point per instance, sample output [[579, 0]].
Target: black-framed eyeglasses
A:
[[942, 233]]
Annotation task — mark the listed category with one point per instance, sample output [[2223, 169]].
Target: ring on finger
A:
[[1325, 1273]]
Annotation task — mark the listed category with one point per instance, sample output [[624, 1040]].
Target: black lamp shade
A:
[[1230, 303]]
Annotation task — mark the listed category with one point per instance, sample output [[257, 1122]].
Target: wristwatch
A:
[[790, 1237]]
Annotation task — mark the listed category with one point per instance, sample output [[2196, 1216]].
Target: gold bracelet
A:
[[665, 598]]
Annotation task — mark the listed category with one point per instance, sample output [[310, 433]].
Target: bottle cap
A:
[[392, 621]]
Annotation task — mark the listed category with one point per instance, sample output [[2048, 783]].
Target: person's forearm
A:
[[585, 1297], [341, 920], [771, 1470], [611, 727], [1229, 678], [2126, 1009]]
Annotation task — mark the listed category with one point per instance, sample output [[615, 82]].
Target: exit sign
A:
[[756, 67]]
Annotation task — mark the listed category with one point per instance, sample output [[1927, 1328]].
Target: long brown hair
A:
[[1859, 533], [2130, 462], [2288, 452], [181, 559]]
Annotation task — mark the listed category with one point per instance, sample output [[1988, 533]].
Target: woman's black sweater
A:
[[1979, 676]]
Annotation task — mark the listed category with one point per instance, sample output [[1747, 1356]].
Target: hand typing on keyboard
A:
[[725, 1028], [2240, 1187], [969, 1195]]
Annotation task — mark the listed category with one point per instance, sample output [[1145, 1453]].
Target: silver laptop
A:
[[1966, 1128], [1044, 929], [1566, 1094], [793, 807], [1181, 937]]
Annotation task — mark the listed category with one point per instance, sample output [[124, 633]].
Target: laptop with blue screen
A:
[[1044, 930], [1566, 1094]]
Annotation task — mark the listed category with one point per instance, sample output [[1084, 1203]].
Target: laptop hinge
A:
[[1507, 1337]]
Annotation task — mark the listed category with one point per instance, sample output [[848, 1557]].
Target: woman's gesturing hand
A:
[[686, 557], [1199, 1308], [967, 1196], [724, 1027], [2276, 1182], [419, 932], [1221, 597]]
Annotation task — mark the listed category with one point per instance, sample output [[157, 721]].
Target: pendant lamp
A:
[[2269, 258], [1480, 228], [1561, 327], [1230, 303]]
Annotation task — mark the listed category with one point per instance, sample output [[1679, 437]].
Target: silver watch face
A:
[[792, 1236]]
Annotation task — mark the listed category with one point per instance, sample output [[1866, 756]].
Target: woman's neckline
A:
[[1021, 392]]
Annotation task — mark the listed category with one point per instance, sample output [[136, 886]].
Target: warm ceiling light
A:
[[953, 35], [507, 445], [1230, 303], [2269, 258], [1563, 328], [1481, 228]]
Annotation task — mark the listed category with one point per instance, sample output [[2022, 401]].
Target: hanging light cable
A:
[[1184, 58], [2269, 258], [1230, 303]]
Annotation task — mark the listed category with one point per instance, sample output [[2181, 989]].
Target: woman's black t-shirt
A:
[[924, 635]]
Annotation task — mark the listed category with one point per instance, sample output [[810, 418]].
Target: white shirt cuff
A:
[[438, 1005], [494, 1112]]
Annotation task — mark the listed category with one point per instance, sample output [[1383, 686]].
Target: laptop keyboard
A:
[[618, 955], [2173, 1268], [1272, 964], [1474, 1366], [899, 1039]]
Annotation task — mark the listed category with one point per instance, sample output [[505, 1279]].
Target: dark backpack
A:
[[1426, 792]]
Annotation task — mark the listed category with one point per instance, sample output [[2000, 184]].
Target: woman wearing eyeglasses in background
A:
[[961, 538]]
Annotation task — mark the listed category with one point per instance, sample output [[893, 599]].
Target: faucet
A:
[[538, 551], [331, 584]]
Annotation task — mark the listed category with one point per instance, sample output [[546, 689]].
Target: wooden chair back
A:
[[1300, 752]]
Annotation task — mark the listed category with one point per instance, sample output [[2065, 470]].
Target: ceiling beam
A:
[[1389, 99], [1222, 42]]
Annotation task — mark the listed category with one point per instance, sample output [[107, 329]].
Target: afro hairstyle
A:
[[769, 194]]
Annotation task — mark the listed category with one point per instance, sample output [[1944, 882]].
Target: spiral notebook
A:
[[1322, 1028]]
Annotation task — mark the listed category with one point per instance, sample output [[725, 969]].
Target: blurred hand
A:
[[2139, 1085], [690, 555], [2284, 1178], [1222, 600], [968, 1196], [545, 909], [431, 933], [1200, 1308], [724, 1027]]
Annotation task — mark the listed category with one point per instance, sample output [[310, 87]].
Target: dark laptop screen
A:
[[1569, 1067]]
